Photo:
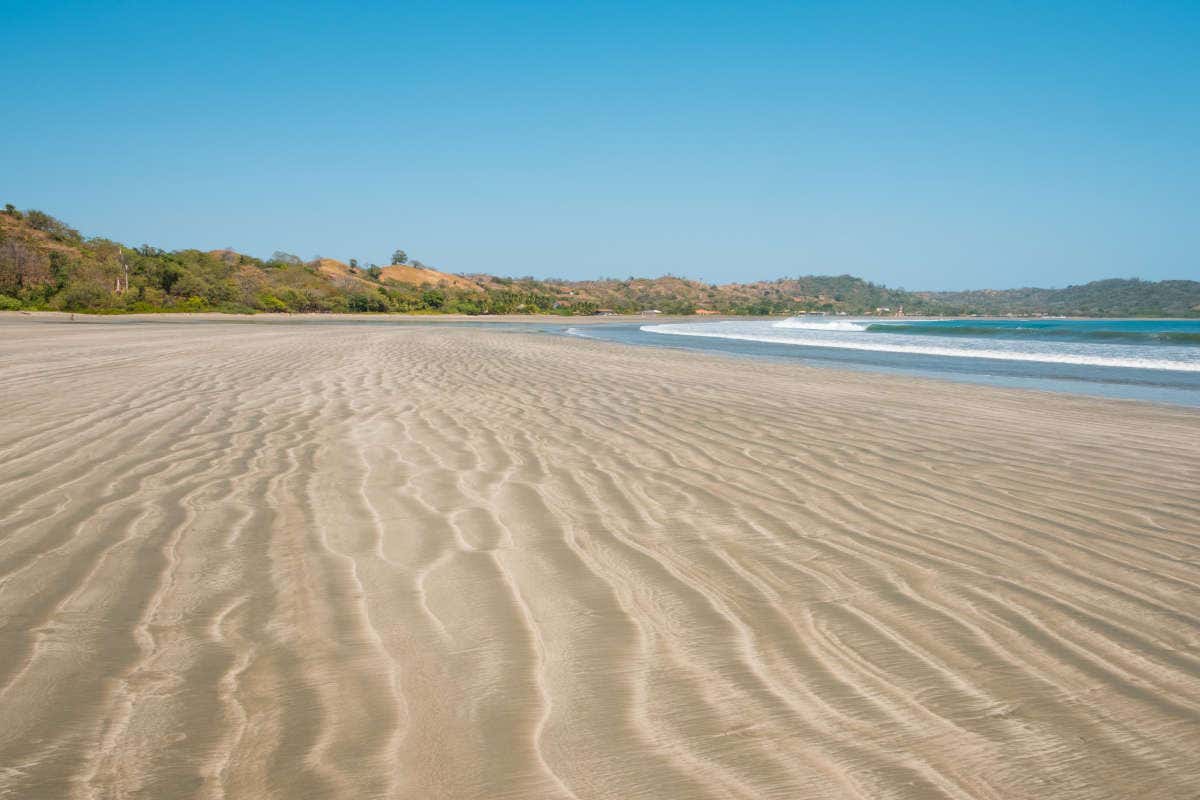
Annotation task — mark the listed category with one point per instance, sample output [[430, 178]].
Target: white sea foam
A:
[[799, 323], [845, 339]]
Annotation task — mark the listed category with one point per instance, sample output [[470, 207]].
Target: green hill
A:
[[1108, 298], [46, 264]]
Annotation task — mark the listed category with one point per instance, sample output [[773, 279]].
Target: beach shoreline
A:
[[185, 318], [397, 561], [644, 318]]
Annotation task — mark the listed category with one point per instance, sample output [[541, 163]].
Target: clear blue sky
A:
[[923, 145]]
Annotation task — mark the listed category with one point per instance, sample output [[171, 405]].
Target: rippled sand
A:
[[289, 561]]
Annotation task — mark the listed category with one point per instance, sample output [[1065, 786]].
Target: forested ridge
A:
[[45, 264]]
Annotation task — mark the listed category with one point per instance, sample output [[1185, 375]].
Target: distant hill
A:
[[1114, 297], [46, 264]]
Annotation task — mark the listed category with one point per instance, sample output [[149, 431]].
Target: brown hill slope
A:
[[418, 276]]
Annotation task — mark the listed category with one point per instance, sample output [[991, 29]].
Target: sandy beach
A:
[[365, 561]]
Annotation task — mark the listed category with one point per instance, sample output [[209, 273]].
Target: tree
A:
[[42, 221], [433, 299], [374, 271], [354, 263], [22, 267], [290, 259], [11, 210], [399, 257]]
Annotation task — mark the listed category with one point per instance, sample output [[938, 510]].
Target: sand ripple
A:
[[290, 561]]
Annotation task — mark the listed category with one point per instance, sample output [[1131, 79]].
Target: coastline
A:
[[409, 561], [217, 316], [298, 317], [1052, 375]]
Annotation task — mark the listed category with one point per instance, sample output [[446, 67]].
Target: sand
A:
[[309, 561]]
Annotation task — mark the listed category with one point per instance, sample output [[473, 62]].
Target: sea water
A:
[[1149, 359]]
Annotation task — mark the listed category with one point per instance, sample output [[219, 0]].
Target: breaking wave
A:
[[858, 335]]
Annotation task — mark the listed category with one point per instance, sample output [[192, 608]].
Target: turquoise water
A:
[[1145, 359], [1183, 332]]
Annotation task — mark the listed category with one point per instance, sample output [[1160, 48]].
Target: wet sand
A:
[[299, 561]]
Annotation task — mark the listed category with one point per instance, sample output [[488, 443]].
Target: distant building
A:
[[604, 312], [650, 312]]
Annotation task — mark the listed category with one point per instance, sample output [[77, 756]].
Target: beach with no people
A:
[[248, 561]]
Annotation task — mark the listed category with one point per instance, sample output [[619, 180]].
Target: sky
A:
[[920, 145]]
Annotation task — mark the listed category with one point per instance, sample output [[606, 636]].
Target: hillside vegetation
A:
[[1113, 297], [46, 264]]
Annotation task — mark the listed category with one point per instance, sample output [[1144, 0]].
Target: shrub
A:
[[366, 302], [154, 296], [9, 303], [192, 304], [83, 297], [269, 302]]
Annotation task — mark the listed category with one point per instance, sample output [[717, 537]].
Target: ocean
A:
[[1144, 359]]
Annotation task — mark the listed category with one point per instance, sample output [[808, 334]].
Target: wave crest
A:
[[875, 344], [800, 323]]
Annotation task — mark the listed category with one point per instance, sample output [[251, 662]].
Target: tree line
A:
[[47, 264]]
